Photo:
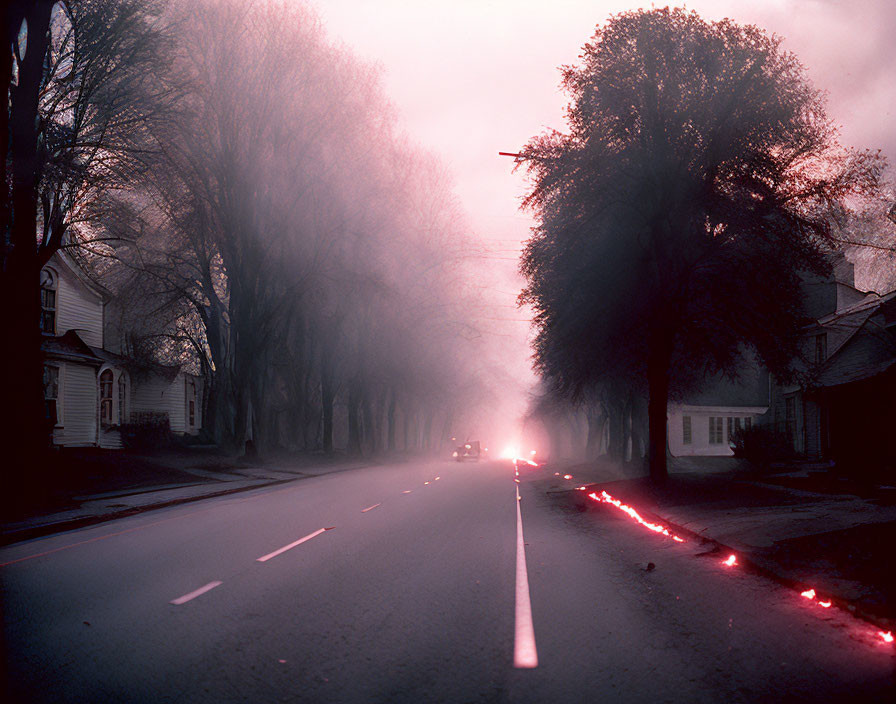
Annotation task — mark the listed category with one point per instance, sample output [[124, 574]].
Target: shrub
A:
[[147, 430], [761, 445]]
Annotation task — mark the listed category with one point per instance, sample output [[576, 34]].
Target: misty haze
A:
[[461, 352]]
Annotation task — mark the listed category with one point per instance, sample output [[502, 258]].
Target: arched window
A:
[[122, 400], [106, 397], [191, 404], [48, 302]]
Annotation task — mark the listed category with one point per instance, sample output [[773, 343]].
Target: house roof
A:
[[849, 373], [82, 275], [110, 357], [865, 348], [135, 366], [71, 347]]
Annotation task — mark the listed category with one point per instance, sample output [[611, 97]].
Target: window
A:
[[51, 394], [106, 397], [686, 436], [738, 425], [48, 302], [122, 396], [821, 348], [715, 431], [191, 404], [790, 418]]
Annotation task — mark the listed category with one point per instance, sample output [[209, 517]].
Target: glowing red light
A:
[[655, 527], [567, 476], [887, 636], [809, 593], [556, 474], [825, 604], [731, 561]]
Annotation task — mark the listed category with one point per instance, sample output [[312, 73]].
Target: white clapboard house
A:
[[91, 391]]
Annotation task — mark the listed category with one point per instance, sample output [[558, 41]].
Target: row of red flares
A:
[[730, 561]]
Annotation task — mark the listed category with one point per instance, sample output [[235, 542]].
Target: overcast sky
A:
[[471, 77]]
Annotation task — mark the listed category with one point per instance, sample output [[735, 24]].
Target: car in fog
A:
[[468, 451]]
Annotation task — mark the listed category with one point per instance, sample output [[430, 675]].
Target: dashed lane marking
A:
[[192, 595], [282, 550]]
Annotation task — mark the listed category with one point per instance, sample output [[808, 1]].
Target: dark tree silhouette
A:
[[79, 77], [693, 185]]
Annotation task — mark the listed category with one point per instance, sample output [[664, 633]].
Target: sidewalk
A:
[[806, 529], [118, 485]]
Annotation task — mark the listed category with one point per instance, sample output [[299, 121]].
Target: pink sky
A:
[[471, 78]]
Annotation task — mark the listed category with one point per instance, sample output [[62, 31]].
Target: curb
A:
[[745, 560], [85, 521]]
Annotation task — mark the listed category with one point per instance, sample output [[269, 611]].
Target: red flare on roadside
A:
[[731, 561], [825, 604], [809, 593], [655, 527], [887, 636], [567, 476]]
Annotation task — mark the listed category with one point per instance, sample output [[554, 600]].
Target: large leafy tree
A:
[[694, 184]]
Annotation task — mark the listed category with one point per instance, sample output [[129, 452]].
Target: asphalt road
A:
[[412, 600]]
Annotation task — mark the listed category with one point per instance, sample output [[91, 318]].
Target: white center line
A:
[[370, 508], [192, 595], [290, 546], [524, 653]]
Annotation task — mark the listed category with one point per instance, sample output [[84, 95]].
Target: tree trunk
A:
[[354, 419], [615, 448], [25, 433], [406, 428], [326, 399], [445, 437], [369, 431], [595, 428], [659, 360], [627, 429], [391, 423], [427, 431]]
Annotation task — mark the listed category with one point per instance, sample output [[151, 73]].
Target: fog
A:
[[283, 236], [472, 78], [319, 221]]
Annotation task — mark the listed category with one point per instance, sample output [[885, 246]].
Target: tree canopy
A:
[[675, 215]]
